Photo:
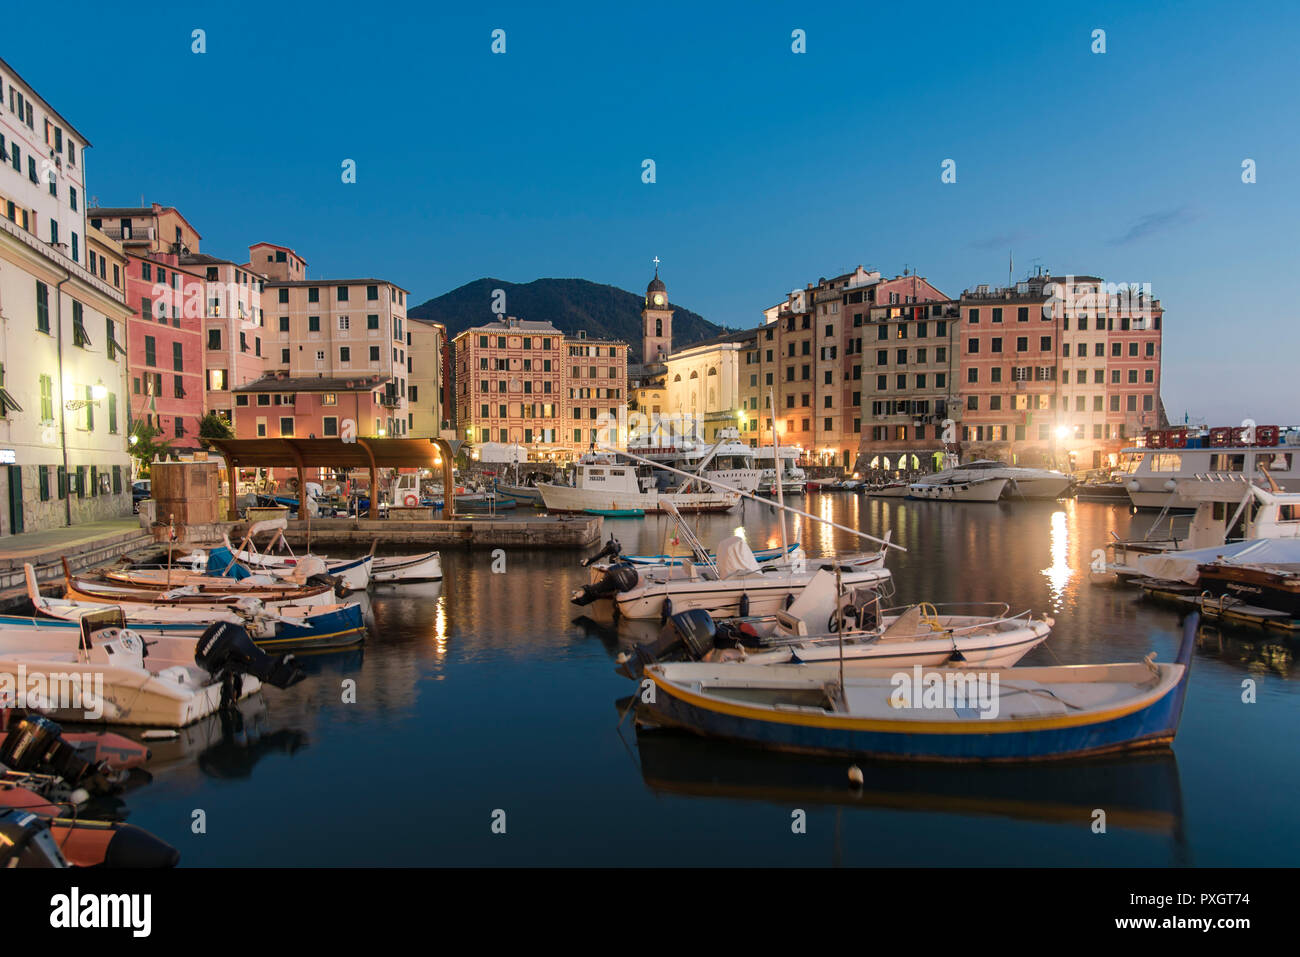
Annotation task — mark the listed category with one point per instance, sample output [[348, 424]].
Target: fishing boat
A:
[[424, 566], [195, 594], [522, 494], [101, 670], [1029, 483], [616, 512], [484, 502], [600, 481], [825, 624], [1010, 714], [734, 584], [212, 570], [946, 490], [286, 626]]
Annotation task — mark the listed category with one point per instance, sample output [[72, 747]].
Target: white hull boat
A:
[[737, 584], [978, 490], [96, 671], [407, 568], [603, 484], [1029, 483]]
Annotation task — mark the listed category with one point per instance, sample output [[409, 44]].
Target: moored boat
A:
[[1013, 714], [974, 490]]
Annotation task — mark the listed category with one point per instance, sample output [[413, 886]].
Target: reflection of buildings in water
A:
[[1252, 649], [1140, 792]]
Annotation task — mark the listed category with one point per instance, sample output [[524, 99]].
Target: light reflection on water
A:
[[492, 691]]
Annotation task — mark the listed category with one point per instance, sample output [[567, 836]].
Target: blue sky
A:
[[773, 168]]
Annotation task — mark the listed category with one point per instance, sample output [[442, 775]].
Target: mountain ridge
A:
[[572, 305]]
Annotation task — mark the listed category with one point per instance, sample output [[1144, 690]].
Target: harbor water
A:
[[483, 723]]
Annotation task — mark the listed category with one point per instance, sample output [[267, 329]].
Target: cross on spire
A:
[[656, 261]]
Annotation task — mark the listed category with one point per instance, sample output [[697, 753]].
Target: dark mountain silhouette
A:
[[571, 305]]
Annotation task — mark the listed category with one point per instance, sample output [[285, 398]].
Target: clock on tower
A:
[[656, 321]]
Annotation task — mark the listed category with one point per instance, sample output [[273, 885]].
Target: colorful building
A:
[[63, 309]]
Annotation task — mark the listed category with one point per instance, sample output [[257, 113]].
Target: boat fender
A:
[[666, 612], [789, 600], [744, 605]]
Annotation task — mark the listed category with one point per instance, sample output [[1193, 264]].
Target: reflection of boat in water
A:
[[1141, 792]]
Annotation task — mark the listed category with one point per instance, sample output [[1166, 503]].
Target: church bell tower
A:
[[656, 322]]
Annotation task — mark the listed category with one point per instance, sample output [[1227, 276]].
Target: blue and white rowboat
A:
[[1023, 714]]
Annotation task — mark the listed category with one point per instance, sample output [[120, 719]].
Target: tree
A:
[[214, 426], [144, 446]]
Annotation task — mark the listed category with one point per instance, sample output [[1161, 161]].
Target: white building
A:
[[63, 414], [703, 385]]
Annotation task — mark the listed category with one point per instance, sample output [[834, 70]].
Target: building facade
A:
[[62, 311], [703, 385], [425, 341]]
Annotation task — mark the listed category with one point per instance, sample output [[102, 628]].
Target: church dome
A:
[[656, 285]]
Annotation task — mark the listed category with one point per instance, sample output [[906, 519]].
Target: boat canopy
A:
[[1182, 565], [735, 558]]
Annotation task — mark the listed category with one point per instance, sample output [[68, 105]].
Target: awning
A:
[[364, 453]]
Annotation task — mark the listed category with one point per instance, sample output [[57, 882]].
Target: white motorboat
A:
[[1028, 483], [988, 489], [95, 669], [602, 483], [826, 625], [1153, 472], [736, 584], [1263, 514]]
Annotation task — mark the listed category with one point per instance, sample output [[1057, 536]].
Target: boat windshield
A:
[[1129, 461]]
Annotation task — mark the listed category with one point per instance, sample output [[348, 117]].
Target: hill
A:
[[571, 305]]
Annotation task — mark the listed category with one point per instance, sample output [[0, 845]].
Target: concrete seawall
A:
[[539, 532]]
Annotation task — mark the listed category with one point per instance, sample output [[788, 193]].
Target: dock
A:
[[541, 531], [84, 546], [1225, 608]]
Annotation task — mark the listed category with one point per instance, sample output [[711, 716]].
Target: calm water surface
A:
[[487, 692]]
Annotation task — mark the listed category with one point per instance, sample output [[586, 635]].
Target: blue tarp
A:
[[218, 560]]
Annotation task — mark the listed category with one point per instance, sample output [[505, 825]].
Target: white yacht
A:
[[793, 478], [1153, 472], [1021, 482], [728, 461], [601, 484]]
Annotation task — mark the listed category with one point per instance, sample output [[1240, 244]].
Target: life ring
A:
[[411, 500]]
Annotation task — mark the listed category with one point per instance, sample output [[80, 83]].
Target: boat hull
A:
[[413, 568], [767, 594], [1151, 725], [563, 498]]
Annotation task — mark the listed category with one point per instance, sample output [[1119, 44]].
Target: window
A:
[[372, 322], [372, 293], [217, 380], [997, 314], [345, 354], [214, 338], [1045, 344], [286, 425], [341, 294], [313, 323], [972, 346], [42, 307], [374, 353], [150, 351], [344, 323], [973, 316], [178, 358], [313, 294], [330, 426]]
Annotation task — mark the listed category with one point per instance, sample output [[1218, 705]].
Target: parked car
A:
[[140, 490]]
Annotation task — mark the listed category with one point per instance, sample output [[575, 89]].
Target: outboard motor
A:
[[687, 633], [611, 550], [26, 841], [620, 578], [35, 744], [225, 651]]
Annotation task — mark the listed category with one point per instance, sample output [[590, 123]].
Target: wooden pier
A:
[[1218, 608]]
